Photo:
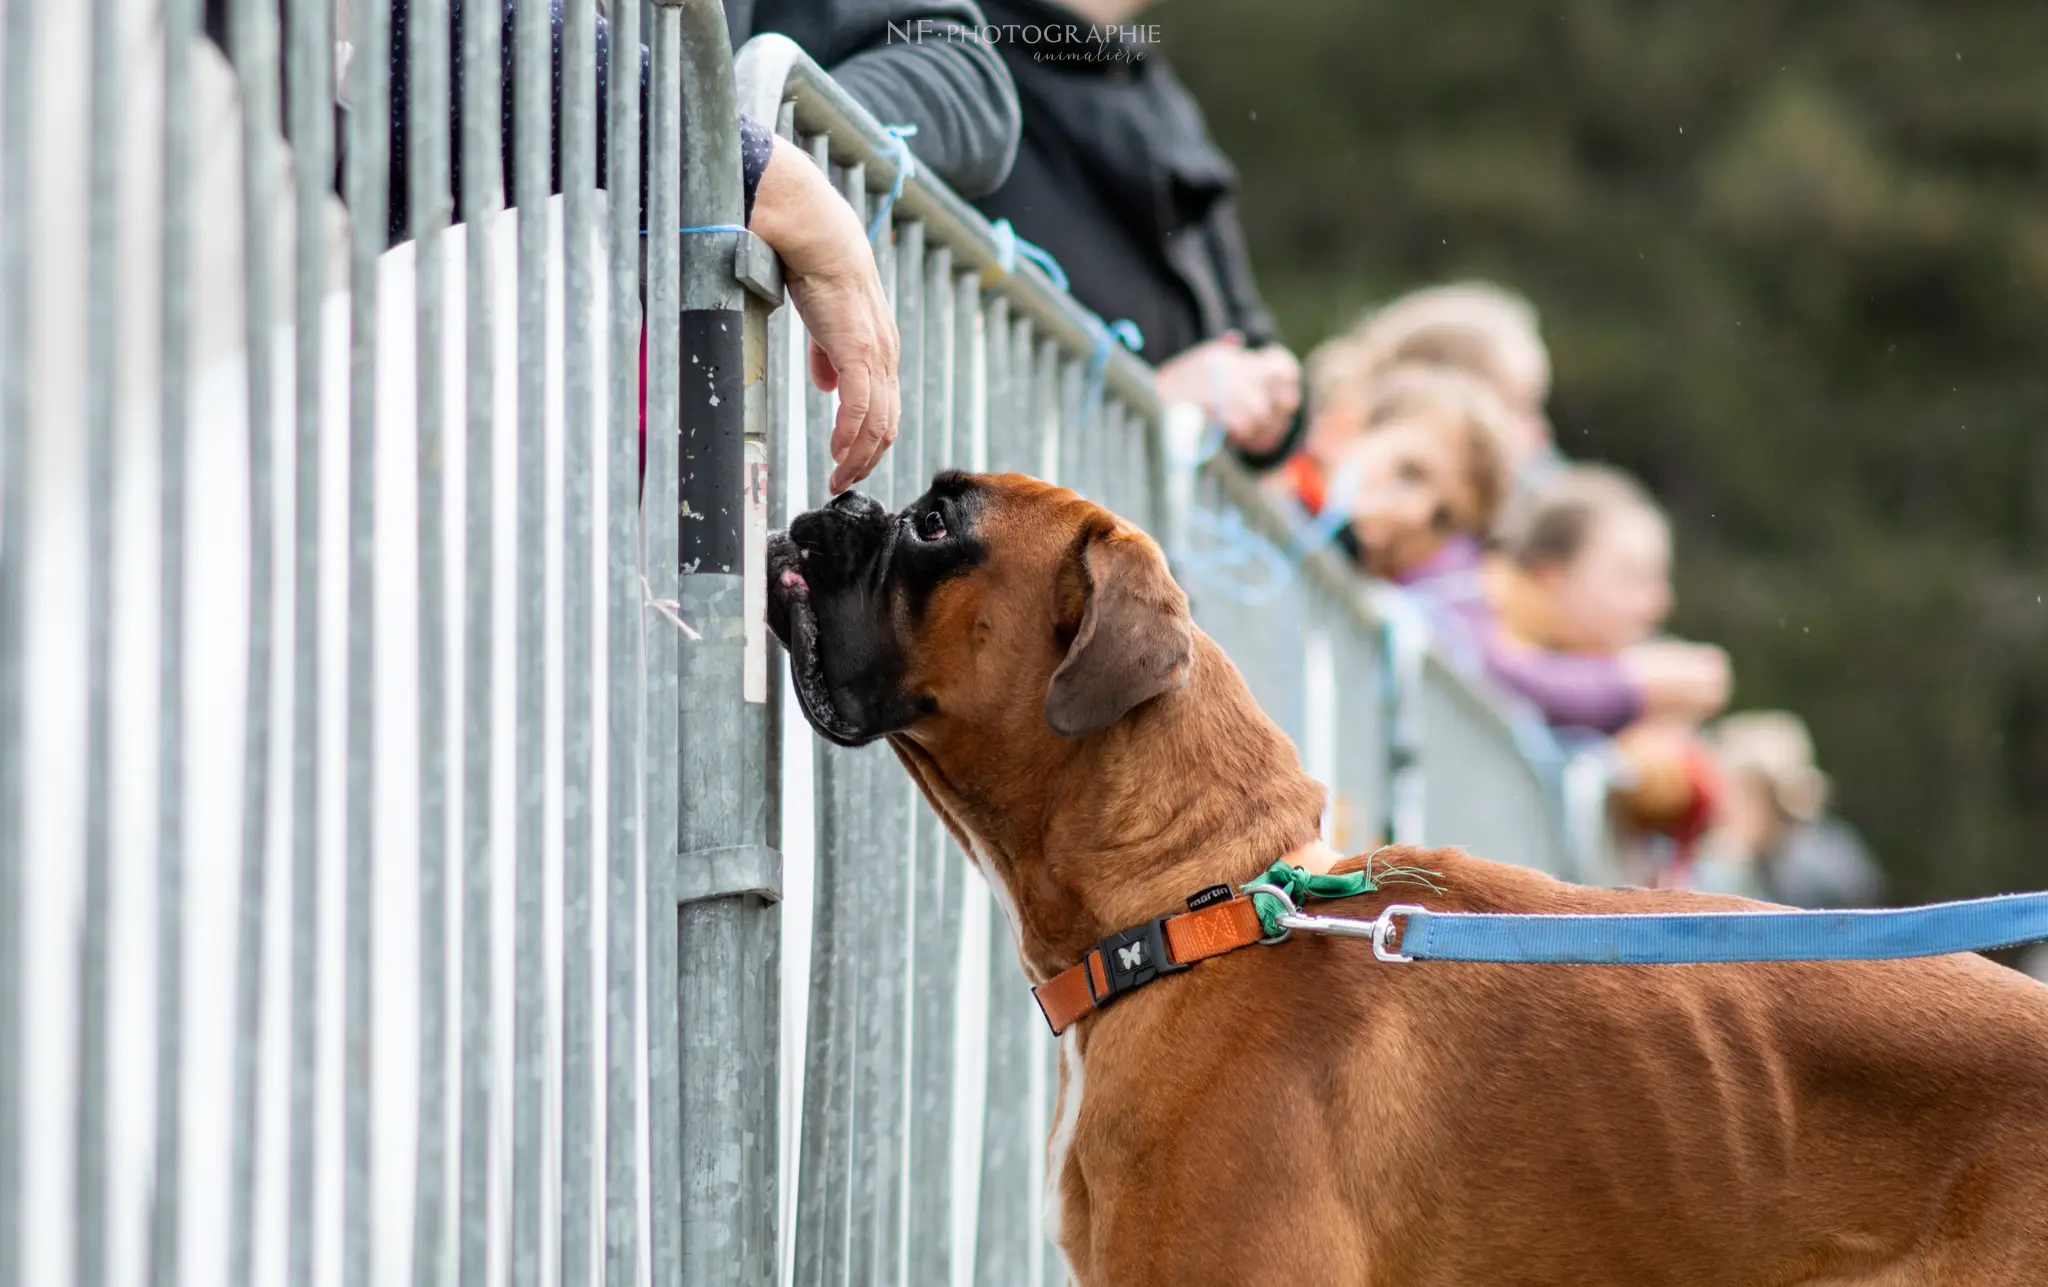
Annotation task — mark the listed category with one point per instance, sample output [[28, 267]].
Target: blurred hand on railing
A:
[[1253, 392], [830, 271], [1688, 682]]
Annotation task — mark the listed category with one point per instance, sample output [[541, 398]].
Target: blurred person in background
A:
[[1774, 838], [1586, 574], [1583, 589], [1483, 330], [1417, 482], [1117, 178]]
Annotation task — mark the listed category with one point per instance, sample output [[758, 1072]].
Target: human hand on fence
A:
[[830, 272], [1253, 392], [1689, 682]]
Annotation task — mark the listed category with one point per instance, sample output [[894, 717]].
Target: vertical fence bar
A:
[[309, 37], [17, 162], [532, 128], [368, 160], [765, 428], [431, 203], [784, 430], [1055, 398], [1073, 429], [581, 448], [866, 840], [180, 21], [935, 892], [481, 198], [886, 1033], [760, 952], [253, 35], [1004, 1231], [825, 1150], [660, 492], [1406, 795], [721, 1121], [102, 355], [625, 654]]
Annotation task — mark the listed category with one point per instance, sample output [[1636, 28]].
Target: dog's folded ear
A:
[[1129, 635]]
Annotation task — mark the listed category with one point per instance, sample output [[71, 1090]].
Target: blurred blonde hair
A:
[[1459, 404], [1475, 327], [1777, 749]]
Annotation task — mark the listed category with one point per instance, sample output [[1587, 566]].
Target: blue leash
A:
[[1696, 938]]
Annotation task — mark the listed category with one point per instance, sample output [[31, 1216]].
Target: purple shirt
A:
[[1572, 690]]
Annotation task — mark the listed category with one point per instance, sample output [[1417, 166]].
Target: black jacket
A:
[[1117, 178]]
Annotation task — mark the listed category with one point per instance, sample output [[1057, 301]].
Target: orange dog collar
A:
[[1131, 958]]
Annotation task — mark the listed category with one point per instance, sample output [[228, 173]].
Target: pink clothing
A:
[[1572, 690]]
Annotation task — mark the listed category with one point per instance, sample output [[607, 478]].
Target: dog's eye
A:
[[931, 526]]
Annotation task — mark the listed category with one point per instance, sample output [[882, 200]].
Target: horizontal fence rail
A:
[[411, 866]]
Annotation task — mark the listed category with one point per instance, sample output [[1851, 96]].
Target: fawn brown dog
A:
[[1303, 1113]]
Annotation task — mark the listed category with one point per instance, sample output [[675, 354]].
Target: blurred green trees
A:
[[1793, 266]]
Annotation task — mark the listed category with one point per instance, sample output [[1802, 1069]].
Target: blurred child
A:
[[1416, 488], [1774, 839], [1580, 596], [1587, 579], [1477, 328]]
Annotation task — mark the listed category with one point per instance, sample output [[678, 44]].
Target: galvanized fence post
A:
[[17, 164], [627, 622], [252, 27], [180, 21], [532, 125], [430, 204], [481, 199], [366, 189], [724, 877], [582, 447], [109, 77]]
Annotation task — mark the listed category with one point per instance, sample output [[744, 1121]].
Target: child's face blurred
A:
[[1617, 591], [1408, 483]]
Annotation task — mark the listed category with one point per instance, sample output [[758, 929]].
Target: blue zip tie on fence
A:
[[1701, 938], [707, 227], [1009, 245], [1236, 547], [1122, 331], [906, 168], [1322, 528]]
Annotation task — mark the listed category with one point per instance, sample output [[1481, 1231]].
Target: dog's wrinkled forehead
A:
[[1022, 523]]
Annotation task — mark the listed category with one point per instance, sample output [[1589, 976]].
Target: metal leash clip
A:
[[1380, 929]]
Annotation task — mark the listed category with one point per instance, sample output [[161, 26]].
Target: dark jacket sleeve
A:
[[1245, 312], [915, 62]]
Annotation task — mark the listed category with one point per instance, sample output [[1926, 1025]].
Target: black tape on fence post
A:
[[713, 449]]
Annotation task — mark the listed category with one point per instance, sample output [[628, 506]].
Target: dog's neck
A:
[[1195, 788]]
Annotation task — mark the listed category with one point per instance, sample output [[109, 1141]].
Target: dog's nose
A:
[[856, 505]]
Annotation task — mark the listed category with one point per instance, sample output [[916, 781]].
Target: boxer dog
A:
[[1302, 1113]]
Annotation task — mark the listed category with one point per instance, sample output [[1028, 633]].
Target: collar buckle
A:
[[1132, 958]]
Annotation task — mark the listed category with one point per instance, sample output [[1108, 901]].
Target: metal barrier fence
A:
[[392, 809]]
